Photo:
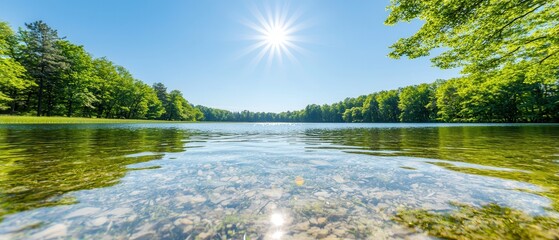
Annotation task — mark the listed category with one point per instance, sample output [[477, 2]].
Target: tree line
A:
[[498, 99], [46, 75]]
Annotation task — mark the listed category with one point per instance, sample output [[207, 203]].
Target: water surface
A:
[[264, 181]]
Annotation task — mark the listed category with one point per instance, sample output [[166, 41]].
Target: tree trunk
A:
[[49, 101], [69, 108], [28, 101], [40, 97], [14, 100]]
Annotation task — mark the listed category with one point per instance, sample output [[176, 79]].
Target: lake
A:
[[265, 180]]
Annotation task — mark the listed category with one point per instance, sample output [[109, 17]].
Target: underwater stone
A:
[[302, 226], [183, 221], [99, 221], [118, 212], [273, 193], [322, 194], [204, 235], [83, 212], [338, 179], [331, 237], [56, 231]]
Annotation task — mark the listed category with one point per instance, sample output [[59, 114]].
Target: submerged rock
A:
[[55, 231], [304, 226], [118, 212], [197, 199], [275, 193], [322, 194], [204, 235], [331, 237], [99, 221], [338, 179], [183, 221], [318, 232], [182, 199], [83, 212]]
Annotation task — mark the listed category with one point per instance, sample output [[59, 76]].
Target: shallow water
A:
[[264, 181]]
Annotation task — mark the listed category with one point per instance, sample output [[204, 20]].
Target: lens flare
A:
[[277, 219], [277, 235]]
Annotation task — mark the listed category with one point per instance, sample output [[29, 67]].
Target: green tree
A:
[[327, 113], [313, 113], [347, 116], [105, 81], [179, 109], [388, 106], [163, 96], [43, 61], [370, 110], [12, 74], [449, 101], [77, 79], [155, 106], [482, 35], [356, 114], [414, 102], [143, 102]]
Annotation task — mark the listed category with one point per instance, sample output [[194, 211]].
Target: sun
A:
[[274, 35]]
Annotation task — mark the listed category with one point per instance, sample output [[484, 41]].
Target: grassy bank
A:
[[68, 120]]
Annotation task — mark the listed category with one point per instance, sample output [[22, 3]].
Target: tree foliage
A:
[[482, 35], [414, 103], [43, 74], [12, 74], [463, 99], [43, 59], [508, 51]]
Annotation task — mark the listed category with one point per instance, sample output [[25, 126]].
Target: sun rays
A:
[[275, 35]]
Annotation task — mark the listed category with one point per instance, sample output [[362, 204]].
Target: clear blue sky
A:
[[195, 46]]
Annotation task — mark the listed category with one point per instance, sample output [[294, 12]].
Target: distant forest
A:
[[46, 75], [455, 100]]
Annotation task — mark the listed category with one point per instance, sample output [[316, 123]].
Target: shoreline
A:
[[6, 119]]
